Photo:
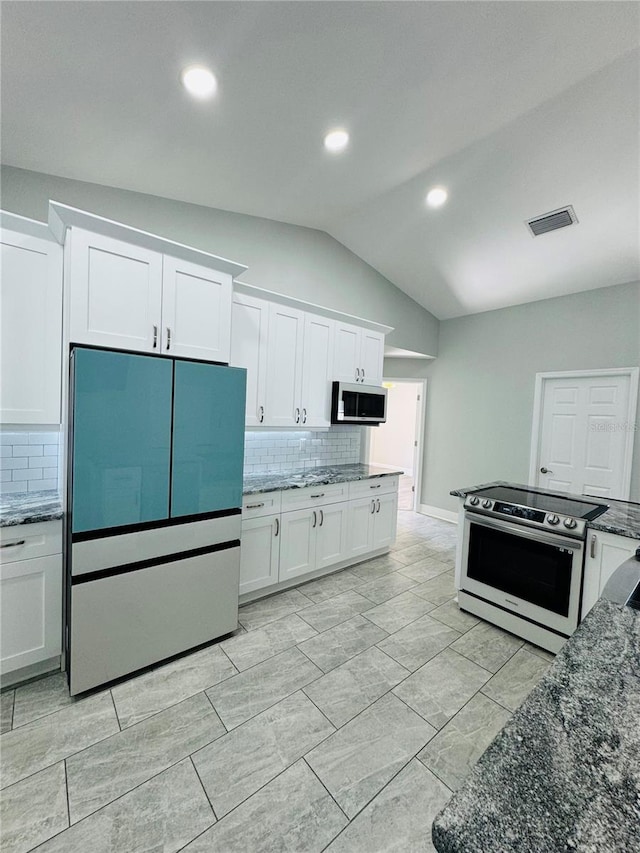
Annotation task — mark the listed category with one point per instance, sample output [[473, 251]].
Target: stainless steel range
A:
[[522, 559]]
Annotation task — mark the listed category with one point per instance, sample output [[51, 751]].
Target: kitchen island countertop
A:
[[257, 483], [622, 518], [564, 773], [29, 508]]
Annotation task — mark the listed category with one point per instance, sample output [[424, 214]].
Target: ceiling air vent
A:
[[552, 221]]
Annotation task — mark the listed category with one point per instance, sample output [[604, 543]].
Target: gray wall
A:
[[480, 389], [300, 262]]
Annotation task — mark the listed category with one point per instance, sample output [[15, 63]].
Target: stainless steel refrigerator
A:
[[154, 498]]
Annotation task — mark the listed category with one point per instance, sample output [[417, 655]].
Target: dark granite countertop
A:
[[29, 507], [256, 483], [564, 773], [622, 517]]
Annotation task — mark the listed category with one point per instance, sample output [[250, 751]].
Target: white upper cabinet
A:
[[115, 293], [358, 354], [317, 371], [31, 323], [249, 332], [127, 289], [284, 366], [196, 311]]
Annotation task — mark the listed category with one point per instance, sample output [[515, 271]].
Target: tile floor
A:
[[339, 717]]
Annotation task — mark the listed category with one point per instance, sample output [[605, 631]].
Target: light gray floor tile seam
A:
[[462, 654], [66, 792], [393, 633], [51, 713], [435, 772], [209, 700], [205, 791], [326, 789], [115, 710], [13, 705], [437, 730], [433, 615]]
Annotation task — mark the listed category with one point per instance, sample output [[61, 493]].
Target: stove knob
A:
[[474, 501], [553, 519], [486, 503], [570, 523]]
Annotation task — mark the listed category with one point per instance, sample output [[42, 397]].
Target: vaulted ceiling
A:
[[517, 108]]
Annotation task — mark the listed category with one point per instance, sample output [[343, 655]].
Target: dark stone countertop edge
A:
[[30, 508], [313, 477], [608, 522]]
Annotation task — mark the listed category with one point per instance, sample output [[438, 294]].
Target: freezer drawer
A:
[[124, 622]]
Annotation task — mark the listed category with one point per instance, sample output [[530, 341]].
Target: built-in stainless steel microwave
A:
[[358, 404]]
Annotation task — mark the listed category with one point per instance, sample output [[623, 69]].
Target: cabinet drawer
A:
[[25, 541], [264, 503], [372, 487], [312, 496]]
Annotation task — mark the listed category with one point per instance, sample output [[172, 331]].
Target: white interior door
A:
[[583, 442]]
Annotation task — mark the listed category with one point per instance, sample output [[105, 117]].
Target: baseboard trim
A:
[[28, 673], [437, 512]]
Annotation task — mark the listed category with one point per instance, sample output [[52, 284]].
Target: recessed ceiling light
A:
[[437, 197], [199, 81], [336, 140]]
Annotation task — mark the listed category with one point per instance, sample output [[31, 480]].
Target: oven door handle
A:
[[526, 532]]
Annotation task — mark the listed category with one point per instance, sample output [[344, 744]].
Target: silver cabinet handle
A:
[[168, 338], [378, 502], [544, 470], [321, 518], [315, 518], [254, 506], [261, 415], [277, 527], [362, 380], [297, 416], [593, 544], [13, 544], [375, 487], [304, 416], [321, 495], [357, 374], [155, 337], [373, 507]]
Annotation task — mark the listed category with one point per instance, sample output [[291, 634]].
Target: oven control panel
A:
[[527, 515]]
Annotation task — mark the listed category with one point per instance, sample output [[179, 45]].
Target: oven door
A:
[[531, 573]]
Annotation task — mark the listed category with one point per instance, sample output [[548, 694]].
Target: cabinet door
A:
[[284, 366], [371, 357], [259, 553], [31, 610], [208, 438], [346, 362], [249, 329], [385, 520], [196, 311], [31, 329], [115, 293], [317, 369], [298, 543], [331, 545], [360, 524], [605, 552], [121, 438]]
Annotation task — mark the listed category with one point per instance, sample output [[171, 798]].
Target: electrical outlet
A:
[[303, 445]]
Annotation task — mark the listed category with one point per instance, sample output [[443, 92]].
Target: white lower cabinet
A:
[[605, 552], [259, 553], [312, 539], [372, 524], [30, 595]]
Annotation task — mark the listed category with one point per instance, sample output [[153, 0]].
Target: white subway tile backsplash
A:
[[29, 460], [282, 451]]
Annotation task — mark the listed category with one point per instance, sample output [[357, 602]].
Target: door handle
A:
[[168, 338], [593, 544], [261, 415], [304, 416], [321, 495], [544, 470], [297, 416], [375, 487], [357, 374], [321, 518], [254, 506], [13, 544], [315, 518], [373, 506], [362, 380], [277, 527], [378, 500], [155, 337]]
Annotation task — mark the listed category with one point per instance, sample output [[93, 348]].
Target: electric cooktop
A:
[[586, 510]]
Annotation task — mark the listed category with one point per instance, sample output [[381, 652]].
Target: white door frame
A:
[[419, 437], [633, 374]]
